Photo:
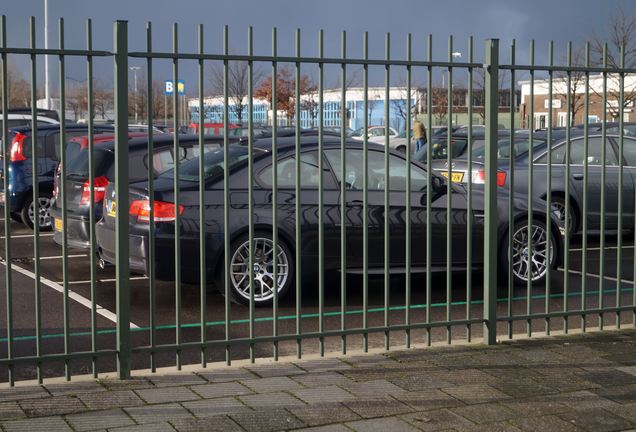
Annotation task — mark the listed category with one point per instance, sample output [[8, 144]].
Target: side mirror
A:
[[437, 185]]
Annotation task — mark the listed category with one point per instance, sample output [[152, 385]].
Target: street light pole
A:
[[47, 92], [135, 69]]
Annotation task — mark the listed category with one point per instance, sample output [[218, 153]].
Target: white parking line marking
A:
[[81, 282], [576, 272], [28, 235], [62, 256], [71, 294]]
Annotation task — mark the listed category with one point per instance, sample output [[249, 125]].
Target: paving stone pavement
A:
[[584, 382]]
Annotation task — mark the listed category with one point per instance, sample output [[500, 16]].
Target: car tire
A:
[[16, 216], [45, 219], [520, 258], [263, 270], [558, 205]]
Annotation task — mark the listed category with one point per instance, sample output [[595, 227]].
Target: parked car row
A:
[[76, 198]]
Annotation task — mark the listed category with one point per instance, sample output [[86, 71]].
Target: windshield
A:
[[214, 163], [357, 132], [503, 148]]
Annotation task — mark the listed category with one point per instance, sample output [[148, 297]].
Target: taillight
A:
[[480, 178], [99, 186], [17, 148], [162, 211]]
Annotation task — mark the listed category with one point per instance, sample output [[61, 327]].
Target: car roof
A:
[[26, 130], [164, 140]]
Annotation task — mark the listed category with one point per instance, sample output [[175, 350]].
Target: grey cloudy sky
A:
[[542, 20]]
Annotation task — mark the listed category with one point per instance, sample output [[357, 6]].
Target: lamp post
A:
[[135, 69], [47, 91]]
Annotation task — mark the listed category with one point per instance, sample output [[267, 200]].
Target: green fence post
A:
[[491, 104], [121, 190]]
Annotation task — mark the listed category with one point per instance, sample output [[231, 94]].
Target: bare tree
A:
[[439, 97], [19, 89], [479, 85], [77, 99], [621, 34], [237, 84], [103, 101], [577, 83], [399, 104]]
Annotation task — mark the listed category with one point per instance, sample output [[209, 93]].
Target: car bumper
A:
[[138, 246], [77, 230]]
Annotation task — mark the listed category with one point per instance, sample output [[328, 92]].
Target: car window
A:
[[577, 152], [558, 156], [376, 173], [286, 171], [214, 163], [629, 152]]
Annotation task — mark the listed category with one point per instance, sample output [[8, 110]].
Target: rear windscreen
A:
[[78, 166]]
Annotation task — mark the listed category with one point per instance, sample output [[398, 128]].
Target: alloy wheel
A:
[[263, 270], [531, 264], [44, 212]]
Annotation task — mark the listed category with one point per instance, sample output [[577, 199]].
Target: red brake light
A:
[[17, 151], [501, 178], [480, 178], [162, 211], [99, 186]]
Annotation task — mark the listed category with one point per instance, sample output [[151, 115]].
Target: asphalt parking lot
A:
[[79, 307]]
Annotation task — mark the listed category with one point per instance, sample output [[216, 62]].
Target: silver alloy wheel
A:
[[558, 210], [535, 264], [44, 212], [263, 250]]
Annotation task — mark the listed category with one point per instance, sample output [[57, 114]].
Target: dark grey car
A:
[[558, 181]]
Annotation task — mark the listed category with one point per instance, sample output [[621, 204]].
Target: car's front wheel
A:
[[531, 254], [42, 214], [264, 285]]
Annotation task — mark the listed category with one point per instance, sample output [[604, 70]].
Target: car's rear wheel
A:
[[43, 216], [530, 263], [263, 270]]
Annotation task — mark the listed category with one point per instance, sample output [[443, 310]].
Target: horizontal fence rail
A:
[[254, 236]]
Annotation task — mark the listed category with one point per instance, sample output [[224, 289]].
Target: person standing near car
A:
[[419, 132]]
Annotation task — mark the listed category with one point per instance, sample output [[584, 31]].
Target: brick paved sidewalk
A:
[[565, 383]]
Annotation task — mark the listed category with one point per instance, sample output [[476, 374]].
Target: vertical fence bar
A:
[[601, 270], [7, 214], [36, 201], [365, 203], [490, 200], [202, 225], [409, 153], [449, 189], [548, 197], [621, 134], [64, 164], [177, 219], [387, 187], [429, 156], [568, 147], [226, 198], [297, 206], [152, 289], [343, 204], [36, 206], [530, 190], [586, 142], [121, 189], [250, 181], [275, 187], [343, 230], [511, 193], [469, 198], [91, 186]]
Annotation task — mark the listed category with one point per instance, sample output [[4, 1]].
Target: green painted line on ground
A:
[[304, 316]]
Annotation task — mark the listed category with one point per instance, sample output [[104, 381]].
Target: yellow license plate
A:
[[455, 177], [58, 225], [112, 208]]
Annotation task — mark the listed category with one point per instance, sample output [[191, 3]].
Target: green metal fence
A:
[[495, 299]]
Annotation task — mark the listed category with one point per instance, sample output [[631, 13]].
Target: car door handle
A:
[[355, 202], [577, 176]]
